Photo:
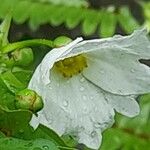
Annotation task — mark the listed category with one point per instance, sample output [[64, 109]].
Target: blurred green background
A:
[[89, 19]]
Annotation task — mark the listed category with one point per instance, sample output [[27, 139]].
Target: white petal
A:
[[91, 142], [52, 57], [137, 42], [126, 105], [74, 106], [34, 122], [118, 71]]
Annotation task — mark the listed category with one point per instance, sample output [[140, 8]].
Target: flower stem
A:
[[34, 42]]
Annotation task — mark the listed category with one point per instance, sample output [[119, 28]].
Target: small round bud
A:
[[61, 41], [29, 100], [23, 57]]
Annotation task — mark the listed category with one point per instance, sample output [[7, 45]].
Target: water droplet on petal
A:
[[50, 87], [65, 103], [102, 72], [45, 147], [91, 97], [68, 81], [93, 133], [85, 110], [57, 84], [97, 125], [132, 70], [50, 120], [84, 97], [82, 80], [81, 89]]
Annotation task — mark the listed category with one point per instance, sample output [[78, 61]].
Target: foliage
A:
[[146, 11], [104, 20]]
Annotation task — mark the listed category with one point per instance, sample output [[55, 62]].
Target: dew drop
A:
[[85, 110], [45, 147], [57, 84], [68, 81], [65, 103], [102, 72], [132, 70], [50, 121], [93, 133], [50, 87], [91, 97], [82, 80], [81, 89], [97, 125], [21, 131], [29, 144], [84, 97]]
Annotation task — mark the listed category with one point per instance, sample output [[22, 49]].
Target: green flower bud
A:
[[23, 57], [29, 100], [61, 41]]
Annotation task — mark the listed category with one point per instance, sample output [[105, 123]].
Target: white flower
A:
[[83, 105]]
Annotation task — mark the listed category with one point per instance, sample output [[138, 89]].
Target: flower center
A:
[[71, 66]]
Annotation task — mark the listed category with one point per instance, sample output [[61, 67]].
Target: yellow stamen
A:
[[71, 66]]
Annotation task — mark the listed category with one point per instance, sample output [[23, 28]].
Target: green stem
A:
[[34, 42]]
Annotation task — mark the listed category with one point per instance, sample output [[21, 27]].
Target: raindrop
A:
[[91, 97], [21, 131], [132, 70], [57, 84], [65, 103], [68, 81], [93, 133], [29, 144], [81, 128], [81, 89], [82, 80], [102, 72], [84, 97], [85, 110], [50, 120], [45, 147], [97, 125], [50, 87]]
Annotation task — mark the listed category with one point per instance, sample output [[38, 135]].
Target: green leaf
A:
[[108, 23], [18, 144], [22, 11], [46, 133], [22, 75], [126, 20], [12, 83], [74, 17], [4, 29], [91, 20], [57, 16], [39, 12], [16, 124], [115, 138]]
